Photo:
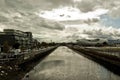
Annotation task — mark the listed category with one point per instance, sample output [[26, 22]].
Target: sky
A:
[[62, 20]]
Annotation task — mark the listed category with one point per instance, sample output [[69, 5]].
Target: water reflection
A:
[[49, 64], [65, 64]]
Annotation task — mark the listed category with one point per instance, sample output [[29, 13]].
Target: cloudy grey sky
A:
[[62, 20]]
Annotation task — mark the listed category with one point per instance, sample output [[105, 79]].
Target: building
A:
[[16, 36], [29, 39], [115, 42]]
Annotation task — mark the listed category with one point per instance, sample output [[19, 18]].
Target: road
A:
[[65, 64]]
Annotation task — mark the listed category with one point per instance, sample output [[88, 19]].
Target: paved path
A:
[[65, 64]]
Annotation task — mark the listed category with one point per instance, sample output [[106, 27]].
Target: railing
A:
[[113, 51], [99, 55], [7, 57]]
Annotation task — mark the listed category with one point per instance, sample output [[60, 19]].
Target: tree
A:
[[105, 43], [16, 45], [6, 47]]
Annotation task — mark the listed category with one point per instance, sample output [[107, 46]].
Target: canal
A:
[[65, 64]]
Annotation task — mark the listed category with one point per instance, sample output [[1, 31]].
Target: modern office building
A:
[[16, 36]]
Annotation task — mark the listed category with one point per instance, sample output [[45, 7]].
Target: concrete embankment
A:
[[17, 69], [37, 56], [65, 64], [109, 61]]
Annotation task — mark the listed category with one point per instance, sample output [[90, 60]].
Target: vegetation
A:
[[6, 47]]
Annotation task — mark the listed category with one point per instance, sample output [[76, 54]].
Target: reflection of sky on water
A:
[[64, 64]]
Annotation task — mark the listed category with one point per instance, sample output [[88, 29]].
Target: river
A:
[[65, 64]]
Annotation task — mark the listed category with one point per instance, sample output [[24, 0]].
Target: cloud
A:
[[83, 31], [34, 4], [71, 13], [112, 5], [52, 25], [115, 12], [2, 27], [22, 19], [60, 20], [16, 14], [28, 21], [82, 5]]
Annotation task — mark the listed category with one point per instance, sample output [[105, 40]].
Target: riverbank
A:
[[13, 71], [111, 62]]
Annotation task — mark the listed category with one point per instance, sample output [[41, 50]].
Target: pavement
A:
[[65, 64]]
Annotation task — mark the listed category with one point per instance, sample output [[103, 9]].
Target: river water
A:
[[65, 64]]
